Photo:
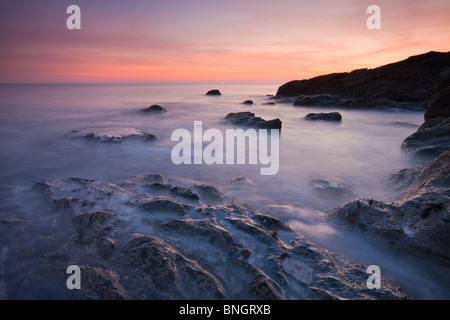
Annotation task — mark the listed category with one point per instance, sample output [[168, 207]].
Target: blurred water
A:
[[362, 151]]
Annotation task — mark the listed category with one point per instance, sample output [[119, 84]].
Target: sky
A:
[[138, 41]]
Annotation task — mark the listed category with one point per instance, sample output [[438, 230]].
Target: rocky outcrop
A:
[[409, 83], [248, 119], [418, 221], [132, 243], [114, 134], [213, 92], [331, 116], [433, 136]]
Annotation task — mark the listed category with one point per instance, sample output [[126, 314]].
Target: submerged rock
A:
[[332, 116], [249, 119], [115, 134], [154, 109]]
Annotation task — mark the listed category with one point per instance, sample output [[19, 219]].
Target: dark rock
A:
[[412, 80], [156, 178], [162, 204], [332, 116], [269, 103], [154, 109], [443, 84], [249, 119], [430, 140], [91, 226], [440, 107], [213, 92], [104, 284], [248, 102], [418, 221]]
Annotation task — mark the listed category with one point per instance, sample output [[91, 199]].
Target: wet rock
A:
[[331, 187], [430, 140], [213, 92], [91, 226], [156, 178], [248, 102], [270, 223], [332, 116], [248, 119], [166, 269], [101, 283], [164, 204], [419, 221], [209, 193], [115, 134]]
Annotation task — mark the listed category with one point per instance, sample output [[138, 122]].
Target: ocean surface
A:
[[361, 152]]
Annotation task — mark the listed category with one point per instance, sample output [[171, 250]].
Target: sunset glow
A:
[[233, 40]]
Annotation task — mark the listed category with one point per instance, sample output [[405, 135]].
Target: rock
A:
[[243, 181], [168, 247], [249, 119], [330, 187], [156, 178], [317, 100], [332, 116], [248, 102], [164, 204], [165, 269], [419, 221], [115, 134], [269, 103], [91, 226], [443, 84], [213, 92], [104, 284], [154, 109], [412, 80], [440, 107], [430, 140], [209, 193], [433, 136]]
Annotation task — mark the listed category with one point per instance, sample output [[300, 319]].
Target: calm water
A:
[[362, 151]]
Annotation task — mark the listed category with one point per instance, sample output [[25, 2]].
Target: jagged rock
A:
[[332, 116], [208, 193], [91, 226], [213, 92], [154, 109], [249, 119], [115, 134], [164, 204], [418, 220]]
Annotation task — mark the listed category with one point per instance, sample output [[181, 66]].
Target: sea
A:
[[37, 141]]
